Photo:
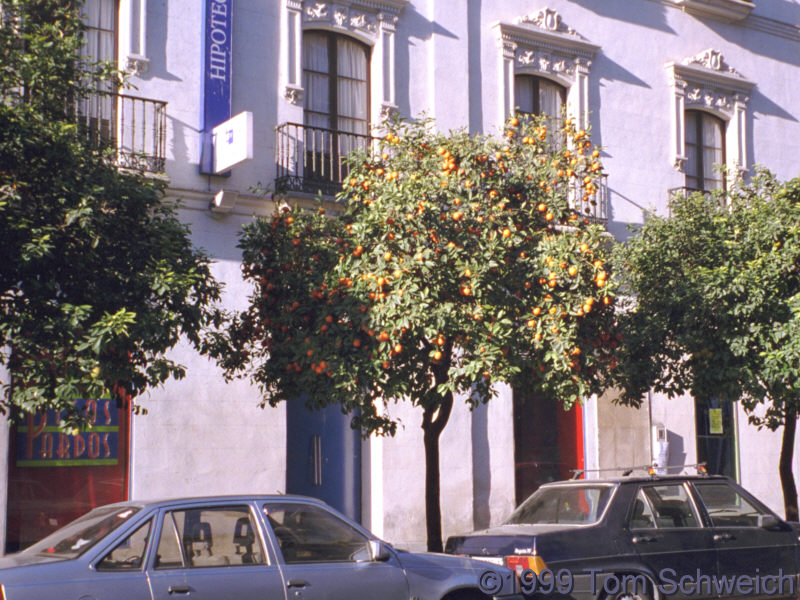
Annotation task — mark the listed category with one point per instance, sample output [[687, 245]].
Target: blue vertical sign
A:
[[216, 74]]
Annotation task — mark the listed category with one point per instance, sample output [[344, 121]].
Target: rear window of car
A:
[[563, 505], [77, 537]]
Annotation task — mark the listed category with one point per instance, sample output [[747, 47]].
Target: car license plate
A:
[[495, 560]]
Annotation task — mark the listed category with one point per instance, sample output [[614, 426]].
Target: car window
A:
[[307, 534], [208, 537], [77, 537], [726, 506], [671, 505], [129, 553], [642, 513], [564, 504]]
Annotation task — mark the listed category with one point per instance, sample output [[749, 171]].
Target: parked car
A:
[[643, 538], [238, 548]]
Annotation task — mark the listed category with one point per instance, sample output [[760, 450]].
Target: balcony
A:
[[596, 209], [312, 159], [137, 127]]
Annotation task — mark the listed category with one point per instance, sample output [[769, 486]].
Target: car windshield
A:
[[77, 537], [562, 504]]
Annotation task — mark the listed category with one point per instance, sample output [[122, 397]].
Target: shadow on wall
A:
[[648, 14], [414, 26], [157, 43], [481, 467], [475, 77], [677, 453], [781, 41]]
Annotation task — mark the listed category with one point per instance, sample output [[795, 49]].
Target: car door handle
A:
[[723, 537], [643, 539], [178, 589], [296, 583]]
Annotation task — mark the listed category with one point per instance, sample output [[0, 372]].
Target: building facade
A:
[[668, 88]]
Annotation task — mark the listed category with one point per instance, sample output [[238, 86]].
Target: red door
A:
[[548, 442]]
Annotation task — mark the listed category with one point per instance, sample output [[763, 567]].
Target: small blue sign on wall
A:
[[216, 74]]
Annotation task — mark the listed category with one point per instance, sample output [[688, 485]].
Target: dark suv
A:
[[653, 537]]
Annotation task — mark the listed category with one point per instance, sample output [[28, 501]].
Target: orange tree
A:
[[717, 305], [454, 262]]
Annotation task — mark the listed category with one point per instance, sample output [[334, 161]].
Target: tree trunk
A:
[[785, 469], [433, 421]]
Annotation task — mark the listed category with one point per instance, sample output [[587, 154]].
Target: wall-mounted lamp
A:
[[223, 201]]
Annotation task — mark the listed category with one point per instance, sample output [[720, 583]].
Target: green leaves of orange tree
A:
[[451, 263], [714, 284], [98, 278]]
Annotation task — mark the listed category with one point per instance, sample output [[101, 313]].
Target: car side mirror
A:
[[379, 551], [768, 521]]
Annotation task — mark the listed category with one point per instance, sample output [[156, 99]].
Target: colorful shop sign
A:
[[40, 442]]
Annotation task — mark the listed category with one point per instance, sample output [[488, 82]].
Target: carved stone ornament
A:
[[547, 19], [708, 98], [679, 163], [342, 16], [546, 62], [317, 11], [389, 111], [294, 95], [713, 60], [136, 64]]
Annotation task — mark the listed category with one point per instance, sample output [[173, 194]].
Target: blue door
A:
[[323, 457]]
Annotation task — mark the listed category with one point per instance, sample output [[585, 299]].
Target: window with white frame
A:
[[336, 80], [544, 64], [709, 119], [705, 151], [372, 24]]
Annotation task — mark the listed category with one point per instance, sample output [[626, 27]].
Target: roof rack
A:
[[651, 470]]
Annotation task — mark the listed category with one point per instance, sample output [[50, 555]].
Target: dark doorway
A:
[[548, 442]]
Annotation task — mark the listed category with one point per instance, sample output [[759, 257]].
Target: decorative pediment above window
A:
[[706, 82], [373, 22], [726, 10], [542, 43], [362, 19]]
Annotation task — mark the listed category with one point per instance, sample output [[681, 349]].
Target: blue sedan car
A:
[[237, 548]]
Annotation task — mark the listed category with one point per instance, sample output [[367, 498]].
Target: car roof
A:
[[220, 499], [628, 479]]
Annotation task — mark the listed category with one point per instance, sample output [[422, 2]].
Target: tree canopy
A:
[[452, 263], [98, 277], [716, 288]]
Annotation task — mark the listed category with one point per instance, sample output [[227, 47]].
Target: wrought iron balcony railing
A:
[[137, 127], [312, 159], [596, 208]]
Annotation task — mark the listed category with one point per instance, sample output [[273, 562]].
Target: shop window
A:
[[716, 436], [705, 151], [54, 477]]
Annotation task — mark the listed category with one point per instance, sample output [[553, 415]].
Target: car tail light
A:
[[520, 563]]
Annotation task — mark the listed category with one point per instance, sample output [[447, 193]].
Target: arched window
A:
[[336, 109], [704, 148], [538, 96], [336, 80]]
